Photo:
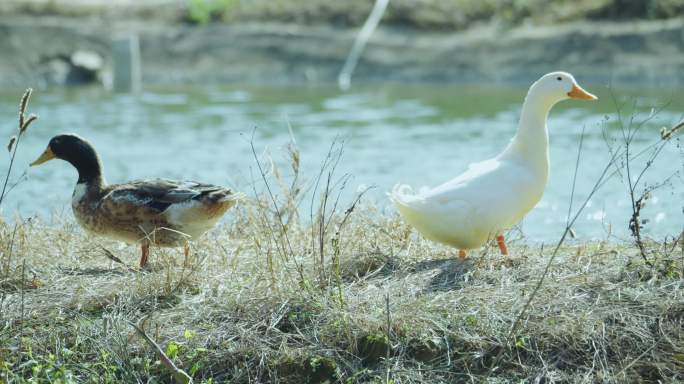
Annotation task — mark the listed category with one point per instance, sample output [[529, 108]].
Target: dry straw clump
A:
[[388, 306]]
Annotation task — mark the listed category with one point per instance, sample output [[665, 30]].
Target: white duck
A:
[[495, 194]]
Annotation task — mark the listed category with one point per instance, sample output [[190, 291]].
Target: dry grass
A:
[[239, 312]]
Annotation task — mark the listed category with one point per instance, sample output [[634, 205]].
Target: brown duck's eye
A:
[[559, 78]]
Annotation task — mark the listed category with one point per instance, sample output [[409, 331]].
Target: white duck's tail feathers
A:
[[409, 204], [404, 195]]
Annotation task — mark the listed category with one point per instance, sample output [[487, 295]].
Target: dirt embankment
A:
[[40, 50]]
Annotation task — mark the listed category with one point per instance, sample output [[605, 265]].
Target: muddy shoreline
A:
[[644, 52]]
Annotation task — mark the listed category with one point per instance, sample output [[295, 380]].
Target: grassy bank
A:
[[255, 304]]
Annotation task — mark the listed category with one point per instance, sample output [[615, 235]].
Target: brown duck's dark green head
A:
[[77, 151]]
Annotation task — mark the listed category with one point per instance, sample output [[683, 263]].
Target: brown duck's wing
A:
[[157, 195]]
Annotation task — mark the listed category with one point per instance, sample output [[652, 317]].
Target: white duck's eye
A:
[[559, 78]]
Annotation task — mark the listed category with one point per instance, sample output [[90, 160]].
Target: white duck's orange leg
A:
[[145, 255], [502, 245], [462, 254]]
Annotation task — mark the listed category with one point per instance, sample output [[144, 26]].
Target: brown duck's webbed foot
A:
[[462, 254], [502, 245], [145, 255]]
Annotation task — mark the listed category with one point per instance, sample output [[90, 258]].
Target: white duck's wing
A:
[[445, 213], [457, 188], [501, 192], [433, 202], [489, 197]]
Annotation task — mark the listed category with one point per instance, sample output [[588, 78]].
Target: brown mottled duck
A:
[[159, 212]]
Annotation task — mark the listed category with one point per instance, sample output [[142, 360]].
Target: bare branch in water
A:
[[344, 78]]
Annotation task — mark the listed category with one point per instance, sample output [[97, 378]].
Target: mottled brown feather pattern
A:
[[145, 211]]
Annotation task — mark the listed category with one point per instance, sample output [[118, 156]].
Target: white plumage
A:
[[495, 194]]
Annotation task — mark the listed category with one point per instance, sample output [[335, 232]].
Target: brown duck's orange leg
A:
[[462, 254], [186, 252], [145, 255], [502, 245]]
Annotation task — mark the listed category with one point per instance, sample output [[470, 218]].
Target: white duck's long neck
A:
[[531, 142]]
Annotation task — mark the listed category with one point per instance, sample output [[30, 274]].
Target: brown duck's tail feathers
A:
[[218, 202], [224, 196]]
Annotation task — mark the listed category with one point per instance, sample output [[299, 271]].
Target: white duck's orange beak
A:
[[578, 93]]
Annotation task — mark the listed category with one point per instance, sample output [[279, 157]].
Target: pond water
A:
[[420, 135]]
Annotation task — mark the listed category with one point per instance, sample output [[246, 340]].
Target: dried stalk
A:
[[13, 144], [178, 374], [287, 253], [633, 183]]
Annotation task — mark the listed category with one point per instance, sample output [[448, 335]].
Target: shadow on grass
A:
[[451, 275]]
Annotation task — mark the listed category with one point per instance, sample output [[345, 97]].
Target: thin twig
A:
[[574, 177], [283, 229], [110, 255], [23, 288], [389, 342], [23, 125], [10, 250], [178, 374], [638, 199]]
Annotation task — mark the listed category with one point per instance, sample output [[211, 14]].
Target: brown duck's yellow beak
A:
[[46, 156], [578, 93]]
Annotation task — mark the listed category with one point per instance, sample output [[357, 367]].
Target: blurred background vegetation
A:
[[440, 14], [427, 14]]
